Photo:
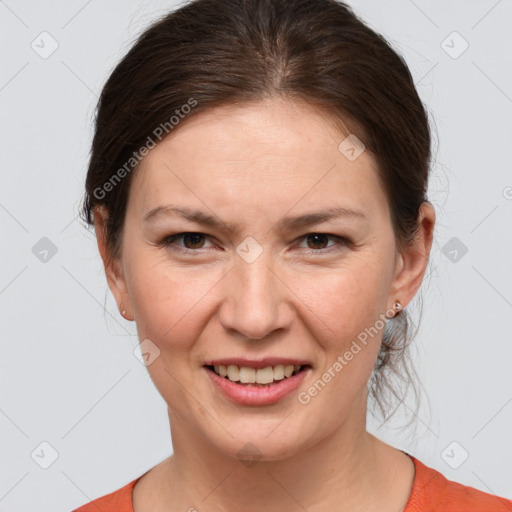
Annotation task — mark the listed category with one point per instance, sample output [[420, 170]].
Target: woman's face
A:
[[266, 287]]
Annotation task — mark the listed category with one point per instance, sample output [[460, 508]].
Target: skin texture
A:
[[254, 164]]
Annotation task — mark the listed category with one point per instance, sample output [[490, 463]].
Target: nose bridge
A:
[[254, 296]]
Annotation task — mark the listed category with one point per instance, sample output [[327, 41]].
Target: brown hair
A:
[[210, 53]]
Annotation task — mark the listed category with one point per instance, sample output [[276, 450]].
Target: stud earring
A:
[[397, 307]]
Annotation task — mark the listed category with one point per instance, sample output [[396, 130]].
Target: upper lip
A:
[[257, 363]]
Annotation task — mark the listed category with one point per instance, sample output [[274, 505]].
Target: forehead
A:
[[270, 154]]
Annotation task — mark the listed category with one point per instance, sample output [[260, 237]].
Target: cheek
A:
[[168, 302], [347, 307], [346, 300], [349, 329], [169, 306]]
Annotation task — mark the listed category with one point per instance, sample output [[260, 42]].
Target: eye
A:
[[319, 239], [195, 241]]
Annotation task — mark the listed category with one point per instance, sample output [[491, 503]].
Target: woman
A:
[[257, 184]]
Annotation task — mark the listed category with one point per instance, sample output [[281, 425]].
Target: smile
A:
[[261, 376], [249, 386]]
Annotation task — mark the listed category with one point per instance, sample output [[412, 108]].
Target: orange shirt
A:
[[431, 492]]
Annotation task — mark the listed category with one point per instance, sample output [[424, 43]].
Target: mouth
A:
[[257, 377]]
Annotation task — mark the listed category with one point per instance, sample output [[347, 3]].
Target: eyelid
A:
[[342, 242], [338, 238], [167, 241]]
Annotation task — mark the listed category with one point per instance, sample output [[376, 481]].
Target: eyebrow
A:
[[287, 223]]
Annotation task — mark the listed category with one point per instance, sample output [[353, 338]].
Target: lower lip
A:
[[245, 394]]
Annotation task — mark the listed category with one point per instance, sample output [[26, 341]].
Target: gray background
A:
[[68, 373]]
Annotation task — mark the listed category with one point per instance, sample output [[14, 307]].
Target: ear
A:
[[412, 261], [112, 264]]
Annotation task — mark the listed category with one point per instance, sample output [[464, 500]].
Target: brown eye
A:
[[194, 239], [316, 243], [318, 240], [192, 242]]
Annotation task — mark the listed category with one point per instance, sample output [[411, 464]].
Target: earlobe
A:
[[112, 265]]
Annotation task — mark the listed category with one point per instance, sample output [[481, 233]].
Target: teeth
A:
[[279, 372], [265, 375], [247, 375], [233, 373]]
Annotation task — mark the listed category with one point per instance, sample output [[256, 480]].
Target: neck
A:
[[343, 471]]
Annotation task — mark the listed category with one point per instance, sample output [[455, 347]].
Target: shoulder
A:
[[117, 501], [433, 492]]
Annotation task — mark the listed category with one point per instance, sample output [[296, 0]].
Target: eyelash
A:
[[168, 241]]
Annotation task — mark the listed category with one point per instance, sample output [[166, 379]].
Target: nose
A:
[[256, 300]]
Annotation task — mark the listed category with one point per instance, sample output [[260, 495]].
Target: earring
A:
[[397, 307]]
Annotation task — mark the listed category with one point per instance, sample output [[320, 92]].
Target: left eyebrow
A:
[[287, 223], [310, 219]]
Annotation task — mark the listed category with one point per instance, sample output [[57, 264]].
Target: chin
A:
[[251, 444]]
